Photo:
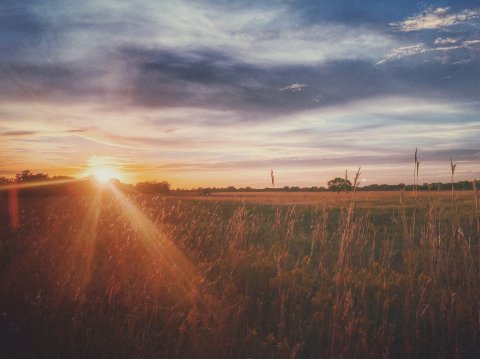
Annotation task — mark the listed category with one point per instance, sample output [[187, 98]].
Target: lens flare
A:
[[104, 174], [104, 169], [173, 263]]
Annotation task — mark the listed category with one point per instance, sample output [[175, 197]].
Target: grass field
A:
[[377, 199], [103, 273]]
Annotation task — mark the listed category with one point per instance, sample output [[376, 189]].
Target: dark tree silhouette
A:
[[339, 184], [153, 187], [4, 180], [28, 176]]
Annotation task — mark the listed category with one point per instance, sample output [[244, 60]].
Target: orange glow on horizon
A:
[[104, 169], [24, 185], [105, 174]]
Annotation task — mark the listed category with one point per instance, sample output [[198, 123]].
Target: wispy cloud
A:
[[296, 87], [436, 18], [75, 130], [255, 34], [404, 51], [17, 133], [441, 45], [471, 42], [354, 134], [445, 41]]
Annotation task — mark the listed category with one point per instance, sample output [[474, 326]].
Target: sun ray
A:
[[13, 210], [65, 257], [25, 185], [80, 263], [104, 169], [104, 175], [176, 265], [13, 203]]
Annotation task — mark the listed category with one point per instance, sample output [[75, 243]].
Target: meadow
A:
[[105, 272]]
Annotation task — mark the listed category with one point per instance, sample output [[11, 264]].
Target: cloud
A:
[[46, 81], [404, 51], [183, 54], [353, 134], [318, 169], [159, 79], [317, 98], [441, 45], [204, 83], [436, 19], [460, 44], [18, 133], [253, 33], [21, 30], [445, 41], [79, 130], [471, 42], [296, 87]]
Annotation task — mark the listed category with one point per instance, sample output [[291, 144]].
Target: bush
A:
[[153, 187]]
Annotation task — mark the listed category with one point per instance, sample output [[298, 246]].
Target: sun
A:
[[104, 174], [103, 169]]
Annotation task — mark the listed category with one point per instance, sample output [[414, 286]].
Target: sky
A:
[[218, 93]]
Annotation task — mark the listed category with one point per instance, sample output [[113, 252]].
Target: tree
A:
[[5, 180], [28, 176], [339, 184], [153, 187]]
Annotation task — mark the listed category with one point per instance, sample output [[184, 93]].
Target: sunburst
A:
[[104, 175]]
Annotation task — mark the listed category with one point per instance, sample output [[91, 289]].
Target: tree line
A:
[[29, 176], [336, 185]]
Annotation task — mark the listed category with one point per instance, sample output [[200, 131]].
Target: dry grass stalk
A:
[[414, 173], [346, 181], [452, 168], [356, 183], [273, 178], [475, 193], [475, 198], [417, 167]]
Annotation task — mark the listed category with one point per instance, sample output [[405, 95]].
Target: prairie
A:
[[367, 199], [102, 272]]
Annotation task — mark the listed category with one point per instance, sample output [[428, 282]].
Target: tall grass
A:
[[356, 183], [415, 173], [78, 279], [475, 199], [452, 170]]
